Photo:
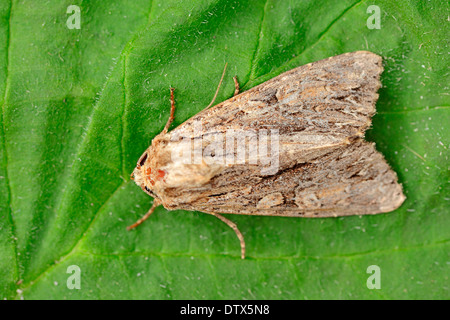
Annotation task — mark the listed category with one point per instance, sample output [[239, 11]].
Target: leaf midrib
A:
[[3, 142], [124, 53]]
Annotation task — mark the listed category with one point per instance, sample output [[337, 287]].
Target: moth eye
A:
[[149, 191], [142, 160]]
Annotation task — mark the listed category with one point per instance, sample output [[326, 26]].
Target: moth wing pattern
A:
[[328, 99], [320, 112], [347, 181]]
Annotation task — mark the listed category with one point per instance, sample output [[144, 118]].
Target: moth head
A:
[[148, 173], [158, 170]]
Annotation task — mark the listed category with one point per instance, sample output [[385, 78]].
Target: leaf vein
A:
[[258, 42], [3, 142], [78, 152], [321, 35]]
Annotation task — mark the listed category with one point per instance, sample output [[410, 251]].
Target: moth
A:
[[311, 120]]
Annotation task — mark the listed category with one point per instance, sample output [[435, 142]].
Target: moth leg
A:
[[172, 111], [236, 86], [218, 87], [155, 204], [233, 226]]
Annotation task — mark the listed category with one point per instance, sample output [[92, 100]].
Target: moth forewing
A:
[[291, 146]]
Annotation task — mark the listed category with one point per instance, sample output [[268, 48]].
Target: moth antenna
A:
[[233, 226], [172, 111], [218, 87], [236, 86], [155, 204]]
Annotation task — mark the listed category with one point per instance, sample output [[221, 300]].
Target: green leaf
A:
[[79, 106]]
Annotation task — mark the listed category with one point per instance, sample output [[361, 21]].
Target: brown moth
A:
[[319, 164]]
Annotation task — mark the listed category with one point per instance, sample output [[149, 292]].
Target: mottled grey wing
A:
[[313, 107], [354, 179], [333, 96], [320, 111], [336, 95]]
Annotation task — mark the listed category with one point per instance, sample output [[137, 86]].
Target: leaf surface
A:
[[80, 106]]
